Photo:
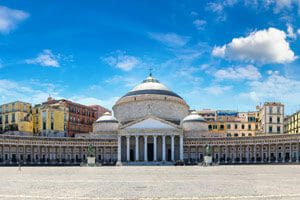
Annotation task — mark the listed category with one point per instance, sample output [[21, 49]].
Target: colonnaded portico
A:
[[150, 147]]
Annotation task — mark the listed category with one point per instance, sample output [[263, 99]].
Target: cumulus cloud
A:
[[170, 39], [217, 89], [265, 46], [275, 88], [238, 73], [199, 24], [10, 18], [46, 58], [121, 61]]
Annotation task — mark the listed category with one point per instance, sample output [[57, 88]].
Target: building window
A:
[[83, 112], [278, 110], [243, 126], [13, 107], [270, 110], [221, 127], [71, 118], [249, 134], [13, 119], [228, 126], [236, 135], [228, 134], [270, 119], [25, 109], [52, 125], [6, 118], [278, 119], [270, 129], [6, 108], [78, 119], [44, 114], [0, 119], [93, 114], [235, 126], [243, 134], [256, 127], [79, 128], [36, 110], [249, 126], [37, 120], [51, 115], [65, 117], [44, 125], [209, 127], [215, 127], [0, 109], [65, 127], [278, 129]]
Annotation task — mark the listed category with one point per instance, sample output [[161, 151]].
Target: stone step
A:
[[147, 163]]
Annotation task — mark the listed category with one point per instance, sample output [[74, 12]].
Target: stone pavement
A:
[[160, 182]]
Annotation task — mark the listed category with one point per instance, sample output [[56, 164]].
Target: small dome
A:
[[107, 118], [194, 117]]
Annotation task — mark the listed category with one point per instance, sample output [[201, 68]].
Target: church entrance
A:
[[150, 152], [169, 155], [131, 155]]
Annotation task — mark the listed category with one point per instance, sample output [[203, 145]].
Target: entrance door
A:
[[169, 155], [131, 155], [150, 152]]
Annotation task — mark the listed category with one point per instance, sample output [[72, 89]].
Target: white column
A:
[[291, 152], [60, 153], [155, 148], [297, 153], [226, 152], [255, 153], [234, 154], [269, 152], [164, 148], [241, 153], [248, 154], [128, 148], [219, 153], [136, 148], [283, 149], [181, 147], [119, 149], [31, 154], [276, 153], [145, 149], [262, 153], [172, 147]]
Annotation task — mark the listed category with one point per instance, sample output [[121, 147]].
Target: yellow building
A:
[[50, 120], [235, 124], [16, 116], [292, 123]]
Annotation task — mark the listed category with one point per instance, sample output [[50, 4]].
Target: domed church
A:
[[150, 124]]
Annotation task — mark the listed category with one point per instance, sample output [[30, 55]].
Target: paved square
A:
[[133, 182]]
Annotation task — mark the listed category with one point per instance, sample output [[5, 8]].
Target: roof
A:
[[151, 86]]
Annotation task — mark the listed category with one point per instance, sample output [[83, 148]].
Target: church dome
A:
[[194, 122], [105, 123], [150, 97]]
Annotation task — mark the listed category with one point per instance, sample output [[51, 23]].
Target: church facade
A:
[[151, 125]]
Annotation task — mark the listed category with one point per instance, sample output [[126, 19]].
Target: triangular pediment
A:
[[151, 123]]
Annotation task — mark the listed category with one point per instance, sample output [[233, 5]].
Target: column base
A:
[[119, 163]]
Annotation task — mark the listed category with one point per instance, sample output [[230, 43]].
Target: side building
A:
[[292, 123], [16, 116], [271, 118]]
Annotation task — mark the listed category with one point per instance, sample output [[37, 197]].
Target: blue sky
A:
[[215, 54]]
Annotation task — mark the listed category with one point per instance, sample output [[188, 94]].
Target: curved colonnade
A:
[[73, 151]]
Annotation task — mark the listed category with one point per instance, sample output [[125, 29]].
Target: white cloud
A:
[[122, 80], [108, 103], [121, 61], [199, 24], [265, 46], [170, 39], [46, 58], [275, 88], [194, 13], [217, 89], [290, 32], [32, 92], [239, 73], [10, 18], [283, 4], [298, 31], [215, 7], [219, 51]]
